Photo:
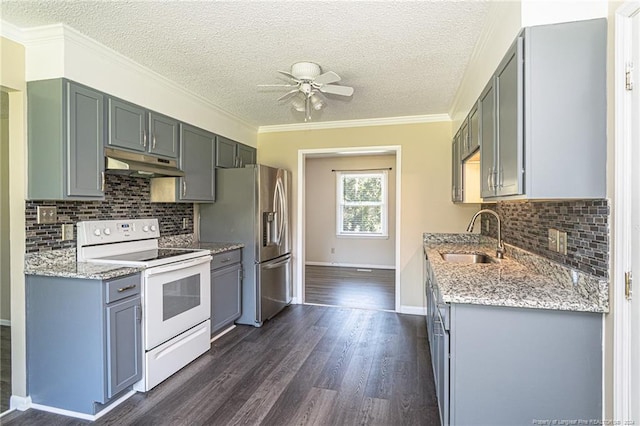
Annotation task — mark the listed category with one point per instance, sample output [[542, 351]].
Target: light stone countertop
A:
[[188, 241], [216, 248], [522, 279], [62, 263]]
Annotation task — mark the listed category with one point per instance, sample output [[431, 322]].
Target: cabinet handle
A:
[[144, 139], [184, 187], [129, 287], [501, 177], [102, 182], [489, 178], [154, 142], [139, 313], [228, 259]]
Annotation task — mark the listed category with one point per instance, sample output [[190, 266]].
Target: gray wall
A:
[[320, 213]]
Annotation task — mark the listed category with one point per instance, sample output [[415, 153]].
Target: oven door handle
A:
[[178, 266]]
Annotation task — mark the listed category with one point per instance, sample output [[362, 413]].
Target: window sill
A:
[[363, 236]]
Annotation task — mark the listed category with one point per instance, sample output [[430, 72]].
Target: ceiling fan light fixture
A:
[[298, 103], [317, 103]]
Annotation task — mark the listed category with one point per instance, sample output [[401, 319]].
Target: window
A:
[[362, 204]]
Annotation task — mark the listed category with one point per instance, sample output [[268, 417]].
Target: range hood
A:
[[141, 165]]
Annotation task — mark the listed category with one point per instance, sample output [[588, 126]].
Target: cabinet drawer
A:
[[224, 259], [119, 288]]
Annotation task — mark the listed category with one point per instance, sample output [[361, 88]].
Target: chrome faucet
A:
[[500, 248]]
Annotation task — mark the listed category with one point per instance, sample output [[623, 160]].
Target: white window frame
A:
[[384, 174]]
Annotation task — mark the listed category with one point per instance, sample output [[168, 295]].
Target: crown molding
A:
[[56, 32], [389, 121], [10, 31]]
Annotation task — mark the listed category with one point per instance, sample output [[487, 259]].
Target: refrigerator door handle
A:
[[281, 206], [277, 264]]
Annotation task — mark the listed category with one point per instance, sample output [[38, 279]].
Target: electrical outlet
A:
[[184, 223], [47, 214], [562, 242], [553, 239], [67, 232]]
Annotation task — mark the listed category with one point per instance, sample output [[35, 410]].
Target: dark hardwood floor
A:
[[350, 287], [308, 365], [5, 367]]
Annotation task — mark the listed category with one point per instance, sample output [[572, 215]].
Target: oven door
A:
[[176, 297]]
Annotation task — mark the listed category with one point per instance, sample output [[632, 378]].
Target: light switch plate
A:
[[562, 242], [47, 214], [67, 232], [553, 239]]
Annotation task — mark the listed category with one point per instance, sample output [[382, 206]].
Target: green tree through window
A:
[[362, 203]]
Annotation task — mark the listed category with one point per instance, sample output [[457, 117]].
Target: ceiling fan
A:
[[308, 82]]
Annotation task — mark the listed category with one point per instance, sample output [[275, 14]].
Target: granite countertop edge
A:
[[522, 279]]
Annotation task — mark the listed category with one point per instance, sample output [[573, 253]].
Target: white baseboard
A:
[[20, 403], [413, 310], [349, 265], [5, 322], [84, 416], [222, 333], [295, 301]]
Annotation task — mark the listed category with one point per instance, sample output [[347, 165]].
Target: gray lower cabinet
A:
[[135, 128], [226, 289], [84, 340], [230, 154], [509, 366], [549, 139], [65, 141]]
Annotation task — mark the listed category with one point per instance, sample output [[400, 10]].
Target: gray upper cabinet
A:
[[127, 126], [65, 141], [474, 131], [230, 154], [163, 135], [508, 80], [137, 129], [486, 112], [464, 138], [197, 160], [245, 154], [550, 115], [456, 169]]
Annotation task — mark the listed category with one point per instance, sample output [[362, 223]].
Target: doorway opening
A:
[[349, 226]]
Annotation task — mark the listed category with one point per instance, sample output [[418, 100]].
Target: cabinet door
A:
[[486, 111], [509, 103], [456, 169], [85, 156], [226, 285], [197, 162], [163, 135], [464, 138], [127, 126], [124, 345], [225, 153], [245, 155], [474, 130]]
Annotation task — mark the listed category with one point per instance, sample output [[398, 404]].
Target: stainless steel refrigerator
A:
[[252, 207]]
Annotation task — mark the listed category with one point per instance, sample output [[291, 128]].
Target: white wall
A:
[[320, 213], [60, 51], [5, 264]]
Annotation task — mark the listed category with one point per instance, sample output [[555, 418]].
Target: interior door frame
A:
[[301, 225], [622, 206]]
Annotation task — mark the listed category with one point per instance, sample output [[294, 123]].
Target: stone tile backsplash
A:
[[586, 222], [126, 197]]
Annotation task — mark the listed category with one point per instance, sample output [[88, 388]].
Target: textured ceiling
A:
[[402, 58]]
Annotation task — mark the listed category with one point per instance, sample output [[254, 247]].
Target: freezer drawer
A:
[[273, 285]]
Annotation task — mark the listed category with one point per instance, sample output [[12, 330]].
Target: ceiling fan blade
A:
[[287, 95], [327, 78], [277, 85], [291, 76], [337, 90]]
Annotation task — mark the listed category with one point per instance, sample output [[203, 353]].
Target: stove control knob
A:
[[96, 232], [145, 228], [107, 231], [153, 228]]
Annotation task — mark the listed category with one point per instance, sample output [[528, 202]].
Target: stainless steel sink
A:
[[468, 258]]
